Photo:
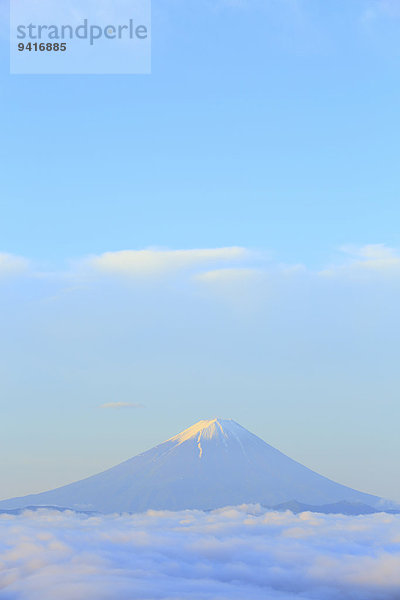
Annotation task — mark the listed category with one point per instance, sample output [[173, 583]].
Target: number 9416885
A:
[[42, 47]]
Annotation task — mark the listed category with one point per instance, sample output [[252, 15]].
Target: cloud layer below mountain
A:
[[232, 553]]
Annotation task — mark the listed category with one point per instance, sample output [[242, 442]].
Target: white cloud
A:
[[118, 405], [230, 276], [241, 553], [225, 268], [249, 288], [11, 264], [241, 288], [155, 261], [369, 259]]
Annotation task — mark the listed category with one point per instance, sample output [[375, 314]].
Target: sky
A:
[[218, 238]]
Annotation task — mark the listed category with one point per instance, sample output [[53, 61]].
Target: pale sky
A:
[[220, 238]]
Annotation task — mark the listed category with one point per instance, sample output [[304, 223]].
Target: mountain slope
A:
[[209, 465]]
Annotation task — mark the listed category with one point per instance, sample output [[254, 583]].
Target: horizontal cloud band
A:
[[240, 553], [154, 261], [212, 265]]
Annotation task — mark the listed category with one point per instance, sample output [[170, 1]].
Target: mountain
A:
[[212, 464]]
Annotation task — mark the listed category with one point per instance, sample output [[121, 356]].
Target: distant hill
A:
[[342, 508]]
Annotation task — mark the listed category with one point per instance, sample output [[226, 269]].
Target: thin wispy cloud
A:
[[230, 554], [11, 264], [212, 267], [150, 262], [232, 275], [240, 288], [368, 260]]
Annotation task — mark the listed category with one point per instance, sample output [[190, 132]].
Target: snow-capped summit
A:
[[211, 464], [214, 429]]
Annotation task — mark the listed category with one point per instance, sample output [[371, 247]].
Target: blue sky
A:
[[268, 129]]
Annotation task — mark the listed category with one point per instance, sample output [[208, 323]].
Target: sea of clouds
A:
[[242, 553]]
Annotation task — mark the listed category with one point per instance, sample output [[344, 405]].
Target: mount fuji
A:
[[212, 464]]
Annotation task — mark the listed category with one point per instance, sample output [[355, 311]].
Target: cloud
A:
[[220, 269], [118, 405], [155, 261], [228, 554], [241, 288], [367, 260], [11, 264], [230, 276]]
